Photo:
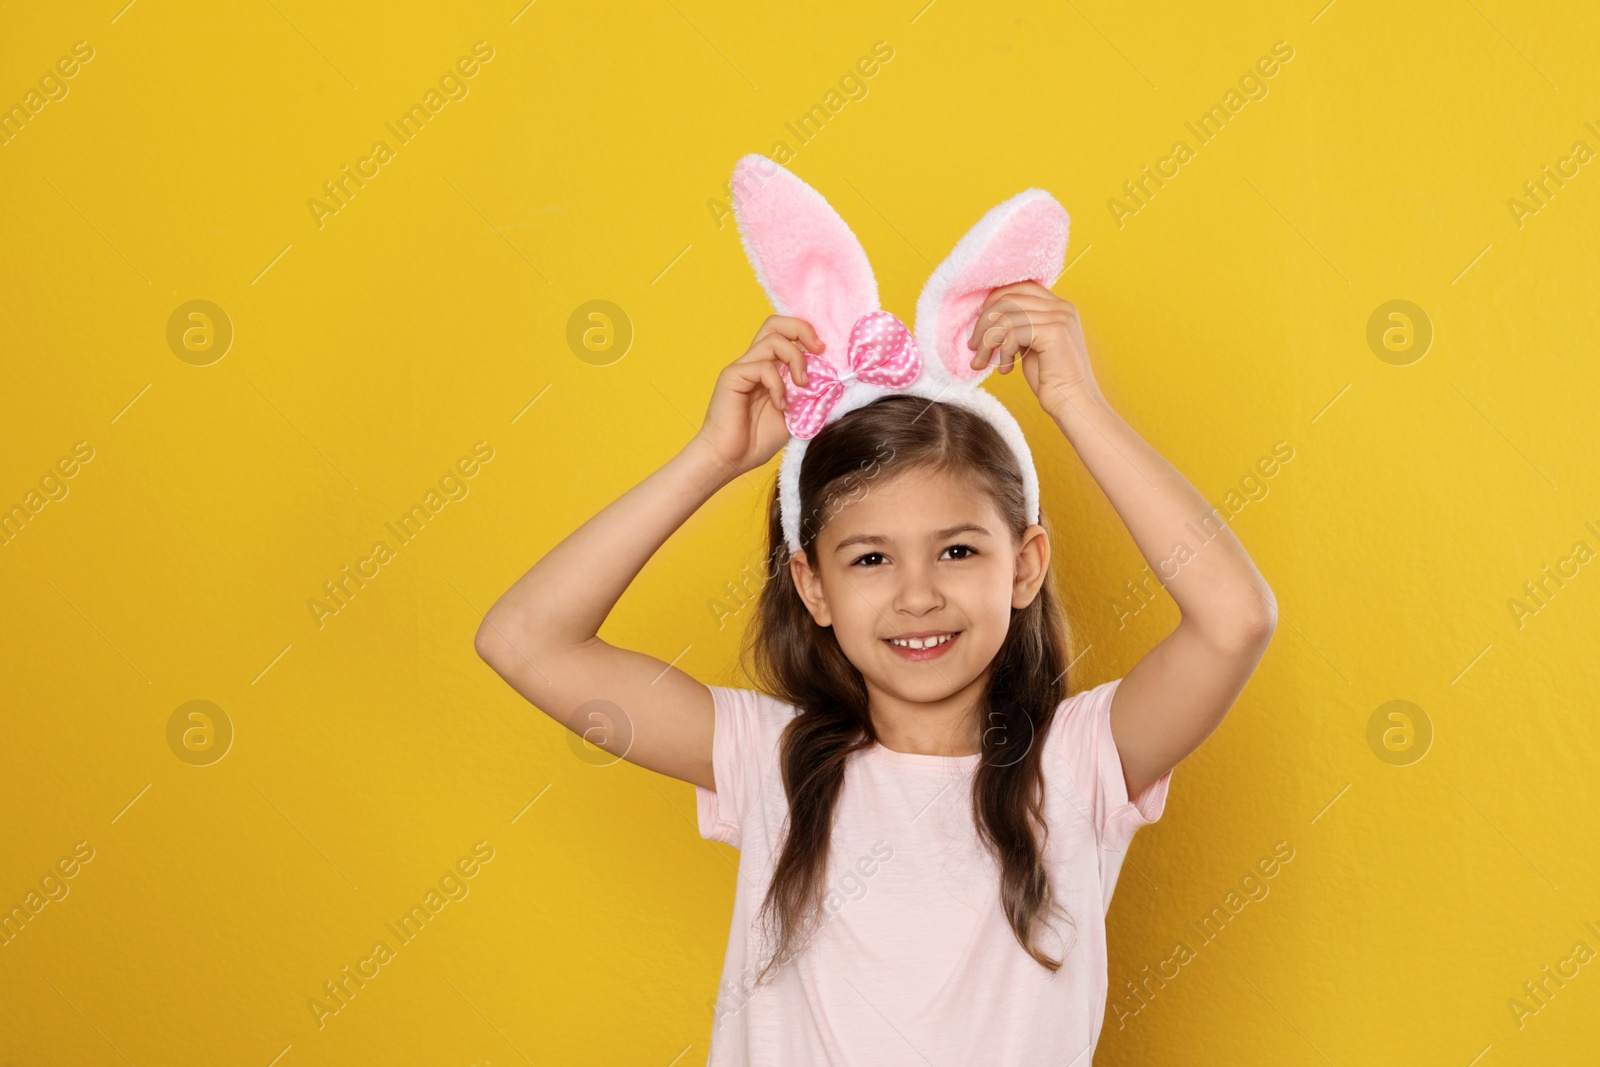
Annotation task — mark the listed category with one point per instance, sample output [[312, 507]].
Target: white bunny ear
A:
[[1023, 239], [805, 257]]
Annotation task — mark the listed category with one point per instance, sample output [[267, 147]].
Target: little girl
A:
[[930, 826]]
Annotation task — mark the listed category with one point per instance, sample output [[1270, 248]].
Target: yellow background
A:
[[371, 752]]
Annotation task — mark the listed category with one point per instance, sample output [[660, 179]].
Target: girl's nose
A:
[[919, 590]]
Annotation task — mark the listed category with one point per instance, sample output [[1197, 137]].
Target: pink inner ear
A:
[[805, 256], [826, 288], [1029, 246]]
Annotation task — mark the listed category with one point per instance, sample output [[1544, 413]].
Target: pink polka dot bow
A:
[[881, 352]]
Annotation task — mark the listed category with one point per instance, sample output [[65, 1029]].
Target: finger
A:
[[775, 346], [980, 324], [995, 334], [1009, 354], [765, 376], [1024, 323], [752, 376], [787, 351], [983, 340], [1006, 354], [1040, 304], [1027, 287], [792, 328], [996, 305], [1018, 291], [775, 386]]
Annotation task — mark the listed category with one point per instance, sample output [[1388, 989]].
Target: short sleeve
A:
[[745, 736], [1082, 740]]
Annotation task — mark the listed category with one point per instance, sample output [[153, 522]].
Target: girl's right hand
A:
[[745, 420]]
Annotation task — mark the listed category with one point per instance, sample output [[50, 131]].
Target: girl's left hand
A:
[[1027, 323]]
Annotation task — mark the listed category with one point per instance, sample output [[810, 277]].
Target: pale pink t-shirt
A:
[[915, 963]]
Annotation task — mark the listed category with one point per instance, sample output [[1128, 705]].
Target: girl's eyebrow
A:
[[937, 535]]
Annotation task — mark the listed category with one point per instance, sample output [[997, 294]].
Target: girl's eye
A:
[[967, 549]]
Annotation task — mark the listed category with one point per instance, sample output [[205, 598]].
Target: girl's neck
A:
[[947, 727]]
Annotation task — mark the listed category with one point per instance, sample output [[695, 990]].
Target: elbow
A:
[[482, 641], [1244, 629], [495, 638], [1259, 621], [511, 642]]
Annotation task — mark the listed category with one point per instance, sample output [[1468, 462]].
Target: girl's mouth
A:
[[933, 647]]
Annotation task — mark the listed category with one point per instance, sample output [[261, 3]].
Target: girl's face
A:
[[920, 555]]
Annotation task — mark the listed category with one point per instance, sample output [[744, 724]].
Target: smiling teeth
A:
[[921, 642]]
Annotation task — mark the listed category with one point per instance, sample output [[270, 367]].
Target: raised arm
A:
[[541, 635], [1178, 693]]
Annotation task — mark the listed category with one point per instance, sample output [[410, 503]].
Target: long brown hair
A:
[[801, 663]]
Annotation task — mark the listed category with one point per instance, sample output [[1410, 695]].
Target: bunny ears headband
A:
[[813, 268]]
